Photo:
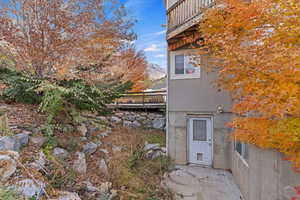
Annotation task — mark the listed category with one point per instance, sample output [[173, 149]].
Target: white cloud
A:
[[160, 32], [160, 56], [153, 48]]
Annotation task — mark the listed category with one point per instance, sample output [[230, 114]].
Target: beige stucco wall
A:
[[197, 97], [265, 175], [197, 94]]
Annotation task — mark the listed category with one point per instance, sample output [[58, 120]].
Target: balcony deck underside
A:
[[183, 19], [188, 24]]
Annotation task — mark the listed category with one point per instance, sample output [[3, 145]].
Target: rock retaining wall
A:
[[139, 119]]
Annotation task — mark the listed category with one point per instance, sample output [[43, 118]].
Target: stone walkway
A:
[[199, 183]]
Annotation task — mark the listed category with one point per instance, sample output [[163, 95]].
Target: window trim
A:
[[244, 155], [175, 76]]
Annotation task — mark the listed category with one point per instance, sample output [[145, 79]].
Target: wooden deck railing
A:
[[153, 99], [185, 10]]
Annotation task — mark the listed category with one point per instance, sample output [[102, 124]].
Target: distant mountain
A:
[[159, 84], [156, 72]]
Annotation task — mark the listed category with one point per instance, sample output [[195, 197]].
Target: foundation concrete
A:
[[178, 134]]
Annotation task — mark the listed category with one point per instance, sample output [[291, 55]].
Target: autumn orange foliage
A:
[[133, 65], [256, 50], [49, 38]]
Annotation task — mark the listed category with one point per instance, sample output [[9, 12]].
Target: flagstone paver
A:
[[200, 183]]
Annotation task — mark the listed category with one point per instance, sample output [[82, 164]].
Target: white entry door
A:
[[200, 141]]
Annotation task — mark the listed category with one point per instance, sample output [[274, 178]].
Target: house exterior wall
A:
[[265, 175], [177, 137], [197, 94], [197, 98]]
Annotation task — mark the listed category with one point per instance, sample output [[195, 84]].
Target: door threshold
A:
[[199, 165]]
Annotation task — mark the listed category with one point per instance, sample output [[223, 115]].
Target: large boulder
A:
[[22, 138], [148, 147], [79, 164], [60, 153], [104, 151], [159, 123], [154, 151], [38, 140], [153, 154], [115, 119], [130, 117], [8, 143], [29, 188], [127, 123], [136, 124], [8, 164], [89, 148]]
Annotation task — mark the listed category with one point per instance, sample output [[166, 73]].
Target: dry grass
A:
[[135, 177], [24, 115]]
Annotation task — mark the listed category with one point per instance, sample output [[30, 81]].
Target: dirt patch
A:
[[24, 115]]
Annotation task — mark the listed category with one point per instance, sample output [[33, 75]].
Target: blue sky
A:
[[150, 16]]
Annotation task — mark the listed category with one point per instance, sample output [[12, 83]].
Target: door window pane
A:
[[199, 130], [179, 64]]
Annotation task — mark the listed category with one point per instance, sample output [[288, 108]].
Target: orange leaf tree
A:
[[256, 49], [54, 37], [133, 66]]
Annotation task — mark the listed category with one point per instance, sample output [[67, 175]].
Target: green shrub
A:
[[9, 194], [156, 139], [135, 158], [21, 88], [59, 96]]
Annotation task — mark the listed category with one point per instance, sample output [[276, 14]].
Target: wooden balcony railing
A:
[[185, 10], [153, 99]]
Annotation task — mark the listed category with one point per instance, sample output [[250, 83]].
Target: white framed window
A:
[[242, 149], [183, 65]]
